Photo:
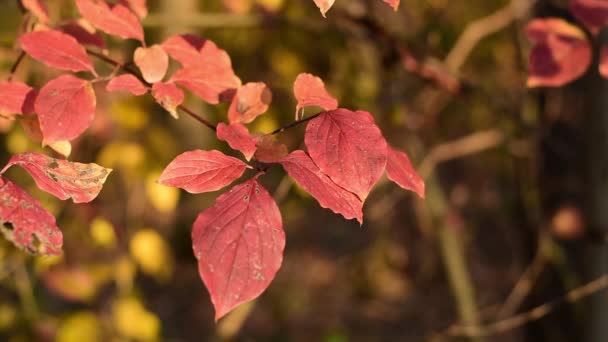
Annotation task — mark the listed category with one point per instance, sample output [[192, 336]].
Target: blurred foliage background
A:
[[507, 173]]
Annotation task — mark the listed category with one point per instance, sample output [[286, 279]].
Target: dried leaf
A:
[[61, 178], [251, 100], [31, 226], [202, 171], [238, 137], [117, 21], [127, 82], [399, 169], [65, 107], [329, 195], [239, 244], [153, 62], [168, 95]]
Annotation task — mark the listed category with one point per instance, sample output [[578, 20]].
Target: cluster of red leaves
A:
[[562, 52], [239, 240]]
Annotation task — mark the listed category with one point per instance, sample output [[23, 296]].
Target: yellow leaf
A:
[[163, 198], [152, 253], [133, 321], [81, 326], [102, 232]]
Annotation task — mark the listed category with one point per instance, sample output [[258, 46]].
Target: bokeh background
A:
[[513, 217]]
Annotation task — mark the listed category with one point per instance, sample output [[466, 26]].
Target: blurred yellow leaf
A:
[[125, 155], [124, 274], [271, 5], [102, 232], [17, 142], [152, 253], [7, 316], [128, 114], [78, 327], [163, 198], [286, 63], [44, 262], [133, 321]]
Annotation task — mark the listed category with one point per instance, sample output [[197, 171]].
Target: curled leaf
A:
[[251, 100], [310, 90], [239, 244], [153, 62]]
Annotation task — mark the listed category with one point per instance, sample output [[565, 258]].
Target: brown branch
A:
[[131, 71], [16, 65], [293, 124]]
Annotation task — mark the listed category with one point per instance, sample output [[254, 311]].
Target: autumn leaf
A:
[[65, 107], [239, 244], [238, 137], [251, 100], [57, 49], [117, 21], [14, 98], [168, 95], [324, 5], [38, 9], [393, 3], [310, 90], [127, 82], [202, 171], [83, 35], [153, 62], [269, 149], [604, 61], [192, 50], [561, 52], [211, 82], [26, 223], [138, 7], [307, 174], [61, 178], [593, 13], [399, 169], [349, 148]]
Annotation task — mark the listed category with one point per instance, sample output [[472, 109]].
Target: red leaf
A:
[[138, 7], [393, 3], [310, 90], [238, 137], [192, 50], [14, 98], [269, 150], [152, 61], [604, 61], [169, 96], [57, 49], [349, 148], [399, 169], [127, 82], [324, 5], [38, 9], [33, 228], [329, 195], [561, 52], [65, 107], [250, 101], [239, 244], [61, 178], [117, 21], [83, 35], [202, 171], [593, 13]]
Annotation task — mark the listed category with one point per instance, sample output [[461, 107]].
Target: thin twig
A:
[[16, 65], [293, 124]]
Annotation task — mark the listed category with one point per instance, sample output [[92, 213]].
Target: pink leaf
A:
[[324, 5], [65, 107], [239, 244], [117, 21], [310, 90], [33, 228], [329, 195], [393, 3], [61, 178], [192, 50], [127, 82], [83, 35], [38, 9], [138, 7], [202, 171], [251, 100], [561, 52], [169, 96], [238, 137], [14, 98], [152, 61], [349, 148], [399, 169], [57, 49], [593, 13], [604, 61]]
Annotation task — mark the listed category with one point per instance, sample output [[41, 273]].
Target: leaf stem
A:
[[293, 124], [16, 65]]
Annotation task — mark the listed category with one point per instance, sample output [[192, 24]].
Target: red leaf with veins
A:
[[310, 90], [202, 171], [399, 169], [251, 100], [83, 35], [393, 3], [138, 7], [117, 21], [239, 244], [329, 195], [349, 148], [33, 228], [61, 178], [238, 137], [168, 95], [127, 82], [65, 107], [14, 98], [593, 13], [561, 52], [38, 9], [57, 49], [324, 5], [152, 61]]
